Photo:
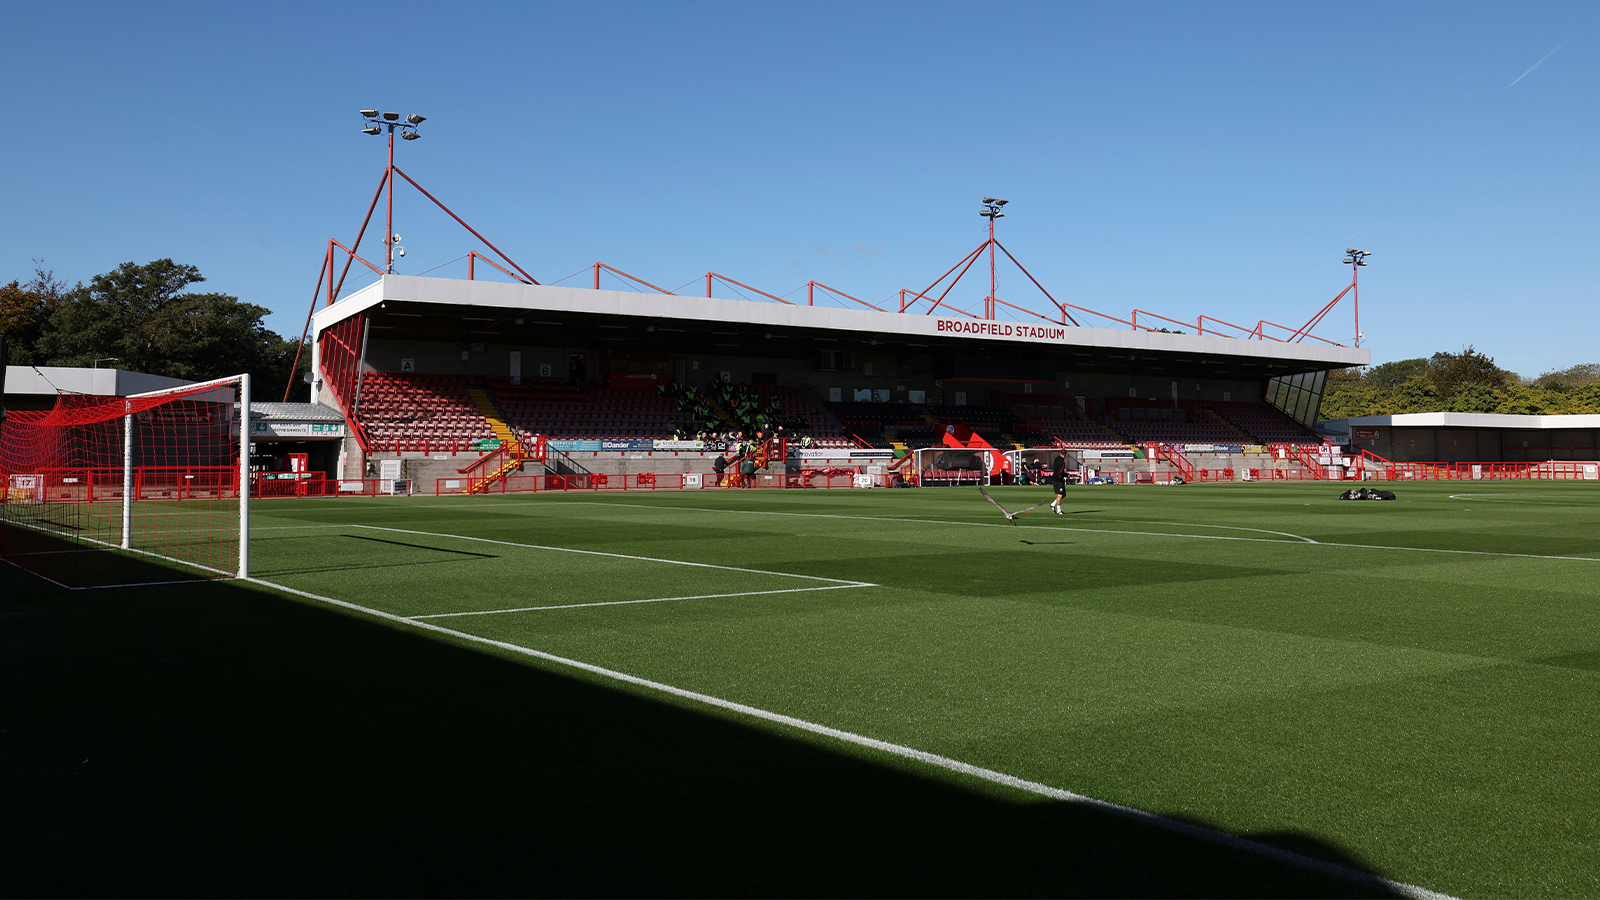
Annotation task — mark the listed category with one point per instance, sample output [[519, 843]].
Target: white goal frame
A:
[[243, 380]]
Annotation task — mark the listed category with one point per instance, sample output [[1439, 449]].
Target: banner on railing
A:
[[842, 453], [575, 446]]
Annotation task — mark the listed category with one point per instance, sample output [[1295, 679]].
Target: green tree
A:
[[1418, 393], [1571, 377], [1347, 394], [141, 315], [1389, 376], [1453, 372], [24, 310]]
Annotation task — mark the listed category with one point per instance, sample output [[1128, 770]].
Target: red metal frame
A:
[[386, 187], [991, 302]]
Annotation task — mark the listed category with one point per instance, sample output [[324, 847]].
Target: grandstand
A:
[[424, 366]]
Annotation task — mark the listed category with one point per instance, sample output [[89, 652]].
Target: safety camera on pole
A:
[[1355, 259], [374, 123]]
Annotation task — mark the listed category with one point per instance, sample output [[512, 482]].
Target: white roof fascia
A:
[[1471, 420], [534, 298], [80, 380], [358, 301]]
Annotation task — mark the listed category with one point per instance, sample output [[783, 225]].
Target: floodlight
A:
[[1351, 250], [409, 135], [416, 119], [391, 116], [1000, 202], [372, 129], [370, 113], [988, 199]]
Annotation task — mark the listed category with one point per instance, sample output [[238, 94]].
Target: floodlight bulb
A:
[[372, 129], [988, 199], [409, 135], [391, 116], [370, 113], [416, 119]]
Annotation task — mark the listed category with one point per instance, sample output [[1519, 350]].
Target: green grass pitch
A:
[[1408, 688]]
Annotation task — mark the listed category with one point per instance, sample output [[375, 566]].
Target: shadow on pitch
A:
[[222, 740]]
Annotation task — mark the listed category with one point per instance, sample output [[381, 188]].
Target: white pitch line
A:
[[656, 559], [1198, 537], [110, 546], [491, 612], [933, 759]]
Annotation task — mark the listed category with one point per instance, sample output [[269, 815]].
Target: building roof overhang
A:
[[412, 307]]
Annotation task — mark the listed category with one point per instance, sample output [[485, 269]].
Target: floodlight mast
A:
[[408, 131], [1355, 259], [991, 211]]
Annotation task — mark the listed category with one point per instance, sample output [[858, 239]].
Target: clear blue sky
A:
[[1185, 158]]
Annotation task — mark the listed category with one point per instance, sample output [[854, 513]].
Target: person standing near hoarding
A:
[[719, 466]]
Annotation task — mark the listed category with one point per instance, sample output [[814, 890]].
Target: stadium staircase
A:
[[1262, 422], [1244, 436], [503, 461], [1164, 452], [491, 414]]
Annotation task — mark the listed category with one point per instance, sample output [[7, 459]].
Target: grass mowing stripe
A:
[[491, 612], [1203, 537], [844, 582], [944, 762]]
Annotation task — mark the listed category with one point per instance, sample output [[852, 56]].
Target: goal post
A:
[[136, 489]]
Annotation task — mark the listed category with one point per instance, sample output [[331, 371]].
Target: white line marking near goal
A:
[[900, 750], [492, 612], [1489, 498], [110, 546], [58, 584], [656, 559]]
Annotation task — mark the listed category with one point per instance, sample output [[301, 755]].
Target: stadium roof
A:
[[1464, 420], [51, 380], [418, 308], [294, 412]]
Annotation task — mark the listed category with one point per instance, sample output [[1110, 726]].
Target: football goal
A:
[[118, 491]]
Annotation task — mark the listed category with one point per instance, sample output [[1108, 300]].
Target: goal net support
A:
[[148, 488]]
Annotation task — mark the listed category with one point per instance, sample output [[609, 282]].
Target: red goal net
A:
[[108, 491]]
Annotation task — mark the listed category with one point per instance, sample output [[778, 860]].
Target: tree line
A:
[[143, 317], [1468, 381]]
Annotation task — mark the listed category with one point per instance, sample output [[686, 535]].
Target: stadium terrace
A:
[[428, 367]]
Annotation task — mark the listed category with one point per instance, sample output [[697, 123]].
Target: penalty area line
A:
[[844, 582], [493, 612], [933, 759]]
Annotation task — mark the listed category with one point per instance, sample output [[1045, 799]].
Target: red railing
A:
[[1170, 454], [149, 483]]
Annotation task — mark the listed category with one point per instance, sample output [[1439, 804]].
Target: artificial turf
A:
[[1406, 687]]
